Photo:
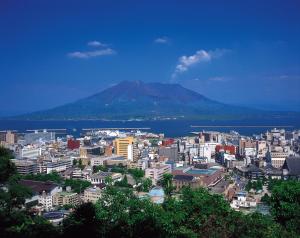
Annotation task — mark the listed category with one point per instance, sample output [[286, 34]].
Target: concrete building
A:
[[43, 192], [25, 166], [132, 152], [121, 146], [156, 172], [86, 151], [38, 136], [65, 198], [57, 164], [170, 152], [92, 194], [30, 152], [10, 138], [100, 177], [205, 152], [278, 158]]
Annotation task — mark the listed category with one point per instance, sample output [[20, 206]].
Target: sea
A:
[[170, 128]]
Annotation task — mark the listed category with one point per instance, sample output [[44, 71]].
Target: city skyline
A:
[[239, 53]]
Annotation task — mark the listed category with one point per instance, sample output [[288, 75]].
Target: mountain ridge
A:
[[129, 100]]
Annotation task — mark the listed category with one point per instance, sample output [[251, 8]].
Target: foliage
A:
[[123, 183], [7, 168], [78, 186], [97, 168], [137, 174], [53, 176], [118, 169], [14, 221], [256, 185], [80, 165], [167, 185], [119, 213], [146, 185], [285, 204]]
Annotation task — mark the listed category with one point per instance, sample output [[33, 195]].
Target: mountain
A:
[[139, 100]]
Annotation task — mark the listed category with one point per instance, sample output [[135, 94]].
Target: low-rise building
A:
[[65, 198], [92, 194], [25, 166], [43, 193], [156, 172]]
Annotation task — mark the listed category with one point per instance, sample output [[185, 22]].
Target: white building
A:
[[205, 151], [92, 194], [30, 152], [156, 172]]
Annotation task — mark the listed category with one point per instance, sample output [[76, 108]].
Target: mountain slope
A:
[[136, 99]]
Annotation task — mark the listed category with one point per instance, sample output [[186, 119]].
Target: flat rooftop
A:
[[201, 171]]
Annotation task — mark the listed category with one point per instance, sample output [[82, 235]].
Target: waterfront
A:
[[171, 128]]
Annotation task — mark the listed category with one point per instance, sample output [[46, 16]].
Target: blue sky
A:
[[239, 52]]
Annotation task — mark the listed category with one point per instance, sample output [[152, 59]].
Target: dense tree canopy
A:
[[120, 213], [285, 204]]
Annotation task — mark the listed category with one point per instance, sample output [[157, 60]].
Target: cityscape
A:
[[149, 119]]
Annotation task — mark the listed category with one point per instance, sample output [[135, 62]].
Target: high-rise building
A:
[[121, 146], [133, 152], [10, 138]]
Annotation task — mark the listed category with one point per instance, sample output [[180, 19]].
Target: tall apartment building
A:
[[133, 152], [10, 138], [121, 146]]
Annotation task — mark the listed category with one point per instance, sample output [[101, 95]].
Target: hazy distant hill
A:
[[139, 100]]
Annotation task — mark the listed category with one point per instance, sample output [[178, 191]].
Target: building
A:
[[133, 152], [205, 152], [25, 166], [291, 168], [10, 138], [278, 158], [180, 181], [92, 194], [156, 172], [121, 146], [247, 147], [100, 177], [229, 149], [31, 138], [42, 193], [170, 152], [30, 152], [250, 171], [207, 177], [57, 164], [73, 144], [85, 151], [65, 198]]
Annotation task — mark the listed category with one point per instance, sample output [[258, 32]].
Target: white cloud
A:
[[102, 50], [185, 62], [217, 79], [96, 44], [91, 54], [161, 40]]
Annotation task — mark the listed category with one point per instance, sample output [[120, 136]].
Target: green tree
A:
[[77, 185], [146, 185], [285, 204], [249, 186], [53, 176], [7, 168], [167, 184]]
